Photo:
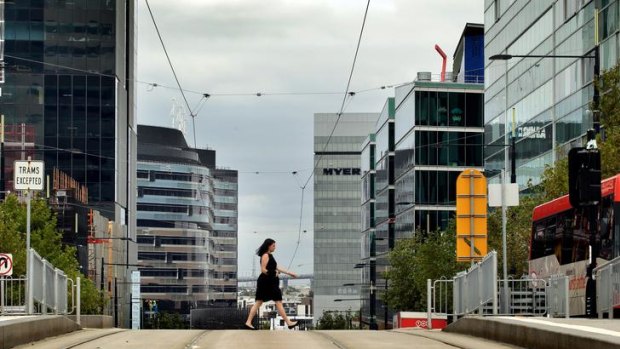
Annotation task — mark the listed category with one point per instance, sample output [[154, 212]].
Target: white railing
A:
[[45, 290], [608, 288], [478, 290], [477, 287], [12, 295]]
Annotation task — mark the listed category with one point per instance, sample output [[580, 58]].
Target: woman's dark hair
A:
[[264, 247]]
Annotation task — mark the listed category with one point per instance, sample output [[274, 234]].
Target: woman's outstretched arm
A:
[[284, 271]]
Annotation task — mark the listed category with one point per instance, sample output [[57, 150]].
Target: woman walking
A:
[[268, 284]]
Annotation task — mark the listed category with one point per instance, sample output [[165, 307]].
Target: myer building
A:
[[337, 209]]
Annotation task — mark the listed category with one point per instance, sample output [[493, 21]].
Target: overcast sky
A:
[[251, 46]]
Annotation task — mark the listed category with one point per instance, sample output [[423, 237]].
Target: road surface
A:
[[198, 339]]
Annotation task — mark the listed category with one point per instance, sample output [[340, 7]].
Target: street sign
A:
[[471, 216], [28, 175], [511, 195], [6, 264]]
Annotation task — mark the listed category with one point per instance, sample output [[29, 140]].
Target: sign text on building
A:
[[342, 171]]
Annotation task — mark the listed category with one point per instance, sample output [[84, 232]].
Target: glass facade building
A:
[[69, 75], [439, 132], [549, 97], [189, 262], [337, 199], [225, 236]]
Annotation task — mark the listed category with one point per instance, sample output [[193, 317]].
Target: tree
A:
[[335, 320], [417, 259], [46, 239]]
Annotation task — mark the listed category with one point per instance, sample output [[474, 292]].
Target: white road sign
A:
[[6, 264], [28, 175]]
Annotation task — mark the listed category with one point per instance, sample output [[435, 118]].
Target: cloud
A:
[[249, 46]]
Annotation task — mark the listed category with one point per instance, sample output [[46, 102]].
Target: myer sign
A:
[[28, 175], [342, 171]]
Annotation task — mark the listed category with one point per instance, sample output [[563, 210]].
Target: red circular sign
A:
[[6, 264]]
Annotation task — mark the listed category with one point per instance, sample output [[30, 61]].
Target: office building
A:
[[337, 196], [225, 236], [425, 136], [187, 224], [69, 72], [549, 97]]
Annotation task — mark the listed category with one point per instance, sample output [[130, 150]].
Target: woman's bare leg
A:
[[282, 313], [252, 313]]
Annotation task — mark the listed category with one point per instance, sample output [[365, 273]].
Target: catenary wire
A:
[[345, 96], [176, 78]]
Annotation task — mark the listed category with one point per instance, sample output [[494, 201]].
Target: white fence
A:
[[608, 288], [45, 290], [478, 290]]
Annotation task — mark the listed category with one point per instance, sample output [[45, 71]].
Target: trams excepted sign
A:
[[28, 175], [6, 264]]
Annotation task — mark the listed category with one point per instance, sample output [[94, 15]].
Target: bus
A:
[[560, 240]]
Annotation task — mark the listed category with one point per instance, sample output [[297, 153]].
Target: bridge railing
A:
[[607, 287], [478, 291], [46, 290]]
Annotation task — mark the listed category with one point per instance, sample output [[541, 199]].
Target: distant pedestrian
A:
[[268, 284]]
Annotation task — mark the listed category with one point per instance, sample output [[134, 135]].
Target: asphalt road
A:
[[197, 339]]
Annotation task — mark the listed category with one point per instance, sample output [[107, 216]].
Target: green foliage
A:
[[47, 241], [417, 259], [609, 85], [336, 321]]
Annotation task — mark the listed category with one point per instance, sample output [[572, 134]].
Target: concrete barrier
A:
[[28, 329], [534, 335], [95, 321]]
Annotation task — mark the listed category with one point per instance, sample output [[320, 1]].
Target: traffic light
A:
[[584, 177]]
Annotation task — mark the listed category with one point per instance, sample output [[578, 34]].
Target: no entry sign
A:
[[6, 264]]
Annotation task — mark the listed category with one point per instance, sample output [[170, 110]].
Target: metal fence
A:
[[46, 289], [558, 298], [477, 290], [477, 287], [608, 288], [12, 295]]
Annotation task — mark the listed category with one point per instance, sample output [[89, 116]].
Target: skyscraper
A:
[[337, 199], [187, 224], [69, 76]]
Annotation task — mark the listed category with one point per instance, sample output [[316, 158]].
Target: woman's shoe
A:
[[293, 326], [249, 327]]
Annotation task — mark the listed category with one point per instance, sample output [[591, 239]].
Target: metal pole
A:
[[115, 303], [513, 149], [78, 301], [28, 197], [429, 300], [566, 298], [1, 295], [504, 252], [29, 283]]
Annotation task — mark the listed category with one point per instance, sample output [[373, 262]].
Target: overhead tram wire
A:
[[346, 95], [152, 85], [176, 78]]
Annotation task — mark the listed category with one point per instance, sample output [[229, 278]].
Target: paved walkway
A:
[[195, 339]]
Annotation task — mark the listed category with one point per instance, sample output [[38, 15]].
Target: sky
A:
[[247, 47]]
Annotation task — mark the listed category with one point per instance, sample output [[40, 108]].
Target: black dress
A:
[[268, 285]]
